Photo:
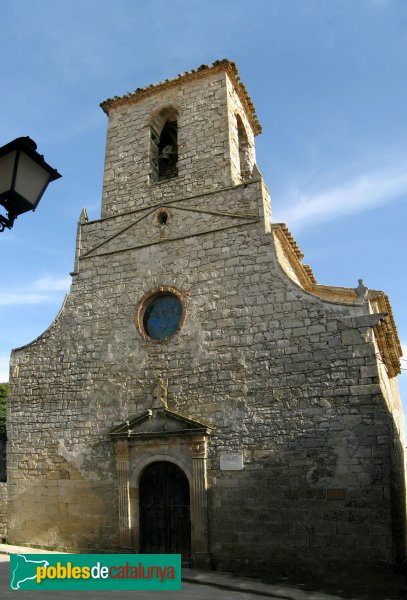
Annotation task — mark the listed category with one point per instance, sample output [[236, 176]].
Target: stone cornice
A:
[[160, 422], [294, 255], [385, 331], [218, 66]]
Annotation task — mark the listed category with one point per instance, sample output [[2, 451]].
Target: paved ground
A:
[[189, 590], [197, 585]]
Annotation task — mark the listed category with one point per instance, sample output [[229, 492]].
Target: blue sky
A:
[[328, 80]]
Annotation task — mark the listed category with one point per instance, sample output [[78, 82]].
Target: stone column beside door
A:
[[122, 464]]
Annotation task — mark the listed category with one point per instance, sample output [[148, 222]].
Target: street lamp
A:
[[24, 177]]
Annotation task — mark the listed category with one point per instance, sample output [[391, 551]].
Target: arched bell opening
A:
[[164, 145], [244, 149]]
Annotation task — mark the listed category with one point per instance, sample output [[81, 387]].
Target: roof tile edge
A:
[[218, 65]]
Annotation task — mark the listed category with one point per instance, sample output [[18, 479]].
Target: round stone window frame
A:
[[162, 217], [144, 303]]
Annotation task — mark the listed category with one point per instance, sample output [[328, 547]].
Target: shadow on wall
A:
[[309, 512], [3, 432], [3, 458]]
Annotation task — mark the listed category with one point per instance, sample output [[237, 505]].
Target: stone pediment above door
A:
[[159, 422], [158, 436]]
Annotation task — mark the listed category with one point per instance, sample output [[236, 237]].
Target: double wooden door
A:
[[165, 525]]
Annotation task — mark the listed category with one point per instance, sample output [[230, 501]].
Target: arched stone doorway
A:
[[164, 510], [156, 436]]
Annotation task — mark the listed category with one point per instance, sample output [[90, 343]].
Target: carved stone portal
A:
[[154, 436]]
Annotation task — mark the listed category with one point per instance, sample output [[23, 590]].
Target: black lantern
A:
[[24, 177]]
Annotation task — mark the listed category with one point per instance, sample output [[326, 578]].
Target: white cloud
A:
[[53, 284], [356, 195], [42, 290], [12, 298]]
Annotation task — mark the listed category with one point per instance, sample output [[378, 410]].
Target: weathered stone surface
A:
[[3, 510], [287, 378]]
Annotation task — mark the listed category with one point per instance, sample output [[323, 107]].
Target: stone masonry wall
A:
[[285, 378], [235, 108], [203, 163], [397, 452], [3, 511], [277, 372]]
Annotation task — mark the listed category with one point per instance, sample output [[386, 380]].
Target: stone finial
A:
[[160, 392], [83, 218], [362, 291]]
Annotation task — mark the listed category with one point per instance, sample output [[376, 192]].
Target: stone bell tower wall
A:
[[203, 165], [207, 103]]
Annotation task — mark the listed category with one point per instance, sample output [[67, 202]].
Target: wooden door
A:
[[165, 526]]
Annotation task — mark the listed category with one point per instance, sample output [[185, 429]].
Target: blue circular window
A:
[[162, 316]]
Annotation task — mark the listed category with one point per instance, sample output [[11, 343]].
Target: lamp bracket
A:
[[6, 222]]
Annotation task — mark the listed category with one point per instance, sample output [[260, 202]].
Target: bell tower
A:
[[197, 366], [181, 137]]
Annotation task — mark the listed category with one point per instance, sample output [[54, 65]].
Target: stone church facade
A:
[[199, 392]]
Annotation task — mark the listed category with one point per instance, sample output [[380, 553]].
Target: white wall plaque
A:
[[232, 461]]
